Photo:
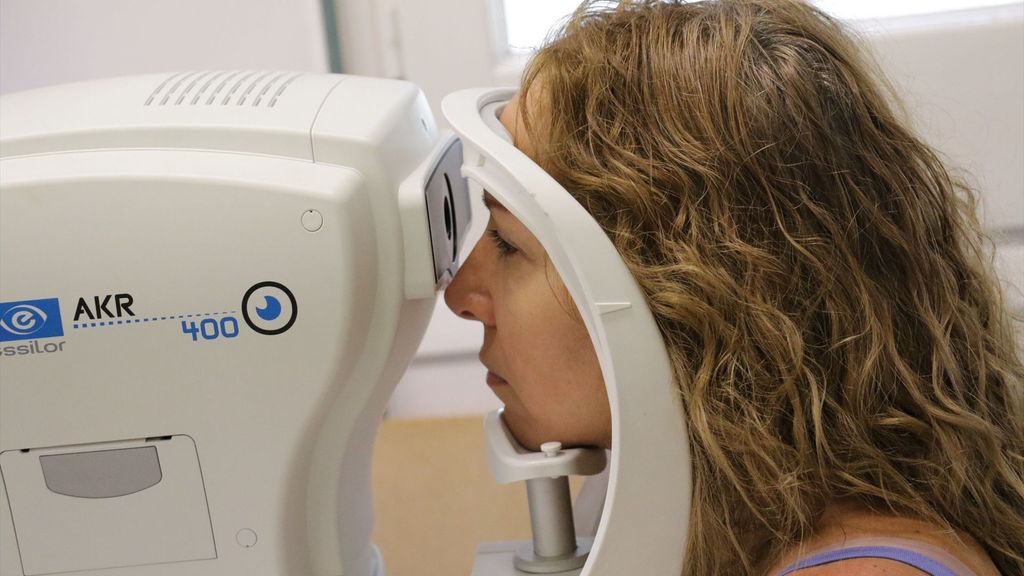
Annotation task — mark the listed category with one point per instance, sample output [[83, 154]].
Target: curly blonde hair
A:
[[819, 276]]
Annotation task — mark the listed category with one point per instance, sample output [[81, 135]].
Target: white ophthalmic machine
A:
[[210, 284]]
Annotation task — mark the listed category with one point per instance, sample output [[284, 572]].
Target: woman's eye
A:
[[504, 248]]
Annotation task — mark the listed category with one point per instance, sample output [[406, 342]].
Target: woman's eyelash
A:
[[504, 248]]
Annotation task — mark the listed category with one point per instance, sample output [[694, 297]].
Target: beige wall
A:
[[435, 499]]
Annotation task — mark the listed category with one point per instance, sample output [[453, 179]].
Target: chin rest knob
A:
[[510, 462]]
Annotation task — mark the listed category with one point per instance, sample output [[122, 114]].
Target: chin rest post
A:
[[554, 547]]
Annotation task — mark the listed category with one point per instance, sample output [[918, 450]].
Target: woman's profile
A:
[[854, 391]]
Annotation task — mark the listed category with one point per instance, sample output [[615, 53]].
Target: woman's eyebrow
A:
[[492, 204]]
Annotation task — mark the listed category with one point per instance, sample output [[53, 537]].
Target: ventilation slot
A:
[[257, 89]]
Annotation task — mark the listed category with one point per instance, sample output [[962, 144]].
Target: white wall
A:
[[962, 81], [45, 42]]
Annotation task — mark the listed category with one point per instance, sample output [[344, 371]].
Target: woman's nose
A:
[[468, 294]]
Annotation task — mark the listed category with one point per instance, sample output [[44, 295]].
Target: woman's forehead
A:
[[491, 203], [512, 119]]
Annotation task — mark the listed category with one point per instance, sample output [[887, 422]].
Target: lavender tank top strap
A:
[[906, 556]]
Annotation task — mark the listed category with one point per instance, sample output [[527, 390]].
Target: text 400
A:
[[211, 329]]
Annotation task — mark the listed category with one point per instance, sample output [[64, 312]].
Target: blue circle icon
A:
[[269, 308]]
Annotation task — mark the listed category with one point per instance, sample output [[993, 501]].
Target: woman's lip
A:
[[495, 380]]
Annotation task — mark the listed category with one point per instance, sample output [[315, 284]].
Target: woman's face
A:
[[540, 361]]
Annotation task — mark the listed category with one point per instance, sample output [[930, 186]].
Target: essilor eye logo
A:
[[271, 311], [23, 320], [269, 308], [30, 319]]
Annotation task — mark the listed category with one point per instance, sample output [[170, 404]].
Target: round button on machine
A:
[[312, 220], [246, 538]]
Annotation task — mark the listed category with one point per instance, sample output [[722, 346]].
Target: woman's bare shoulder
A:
[[846, 525]]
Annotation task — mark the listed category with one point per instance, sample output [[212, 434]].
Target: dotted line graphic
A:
[[132, 321]]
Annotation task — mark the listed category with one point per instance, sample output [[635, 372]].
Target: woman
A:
[[845, 364]]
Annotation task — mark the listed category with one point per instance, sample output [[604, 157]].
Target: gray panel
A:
[[63, 524], [448, 210], [102, 474]]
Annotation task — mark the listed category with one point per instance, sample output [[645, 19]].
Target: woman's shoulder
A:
[[853, 541]]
